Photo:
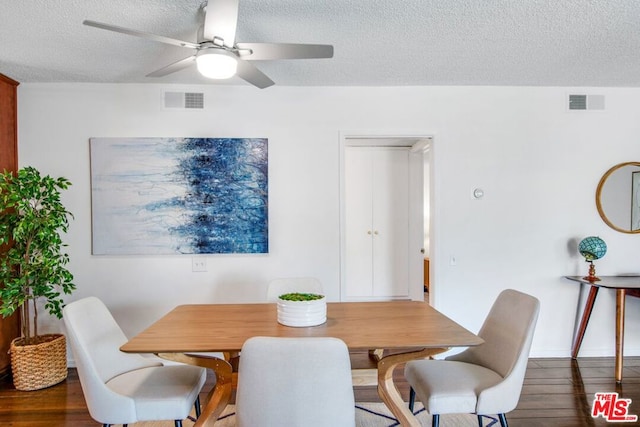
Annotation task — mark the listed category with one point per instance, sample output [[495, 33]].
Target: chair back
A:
[[95, 339], [281, 286], [507, 333], [295, 382]]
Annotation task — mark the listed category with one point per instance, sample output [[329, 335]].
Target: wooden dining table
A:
[[405, 330]]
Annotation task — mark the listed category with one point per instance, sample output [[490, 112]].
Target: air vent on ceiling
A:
[[586, 102], [184, 100]]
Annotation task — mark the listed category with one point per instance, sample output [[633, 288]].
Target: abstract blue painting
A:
[[179, 195]]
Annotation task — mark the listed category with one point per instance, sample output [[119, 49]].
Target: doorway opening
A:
[[385, 208]]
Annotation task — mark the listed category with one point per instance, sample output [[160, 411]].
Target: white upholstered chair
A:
[[122, 388], [295, 382], [486, 379], [281, 286]]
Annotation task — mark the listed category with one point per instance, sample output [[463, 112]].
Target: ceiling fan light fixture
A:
[[216, 64]]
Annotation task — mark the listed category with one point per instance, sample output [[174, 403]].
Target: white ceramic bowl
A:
[[302, 313]]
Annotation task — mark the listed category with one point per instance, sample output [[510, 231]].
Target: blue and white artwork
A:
[[179, 195]]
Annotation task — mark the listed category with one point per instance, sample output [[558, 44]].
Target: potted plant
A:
[[32, 268], [301, 309]]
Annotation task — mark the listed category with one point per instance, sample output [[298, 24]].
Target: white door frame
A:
[[416, 140]]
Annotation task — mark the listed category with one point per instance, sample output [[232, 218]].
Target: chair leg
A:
[[197, 405], [435, 420], [178, 423], [479, 420], [412, 398], [503, 420]]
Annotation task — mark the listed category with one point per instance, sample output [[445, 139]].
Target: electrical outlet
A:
[[198, 264]]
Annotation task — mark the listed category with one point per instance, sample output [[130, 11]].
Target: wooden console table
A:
[[624, 285]]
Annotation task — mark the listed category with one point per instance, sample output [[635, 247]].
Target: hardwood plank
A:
[[565, 388]]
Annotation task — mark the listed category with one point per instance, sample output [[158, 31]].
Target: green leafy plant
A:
[[32, 264], [299, 296]]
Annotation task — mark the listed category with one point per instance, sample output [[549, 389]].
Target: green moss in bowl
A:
[[299, 296]]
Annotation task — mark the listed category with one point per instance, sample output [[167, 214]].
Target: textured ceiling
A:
[[377, 42]]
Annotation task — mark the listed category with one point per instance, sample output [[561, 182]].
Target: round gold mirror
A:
[[618, 197]]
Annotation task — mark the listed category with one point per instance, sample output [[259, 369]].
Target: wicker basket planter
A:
[[40, 365]]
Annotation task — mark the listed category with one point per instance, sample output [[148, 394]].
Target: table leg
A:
[[376, 354], [387, 389], [620, 306], [219, 395], [586, 314]]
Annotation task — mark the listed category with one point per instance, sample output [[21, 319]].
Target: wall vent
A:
[[586, 102], [184, 100]]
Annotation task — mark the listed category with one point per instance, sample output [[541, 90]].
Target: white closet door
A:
[[358, 220], [376, 219], [391, 222]]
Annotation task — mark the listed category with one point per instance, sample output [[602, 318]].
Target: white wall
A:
[[537, 163]]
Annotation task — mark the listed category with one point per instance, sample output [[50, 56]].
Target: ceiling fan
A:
[[216, 53]]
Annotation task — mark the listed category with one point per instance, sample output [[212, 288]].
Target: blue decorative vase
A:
[[592, 248]]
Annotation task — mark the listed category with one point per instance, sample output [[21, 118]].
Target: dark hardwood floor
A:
[[556, 392]]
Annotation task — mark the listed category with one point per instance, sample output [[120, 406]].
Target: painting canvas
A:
[[179, 195]]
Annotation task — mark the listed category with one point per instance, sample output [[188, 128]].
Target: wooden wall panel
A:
[[9, 327]]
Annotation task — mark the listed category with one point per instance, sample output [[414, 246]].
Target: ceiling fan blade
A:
[[251, 74], [267, 51], [172, 68], [221, 18], [142, 34]]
